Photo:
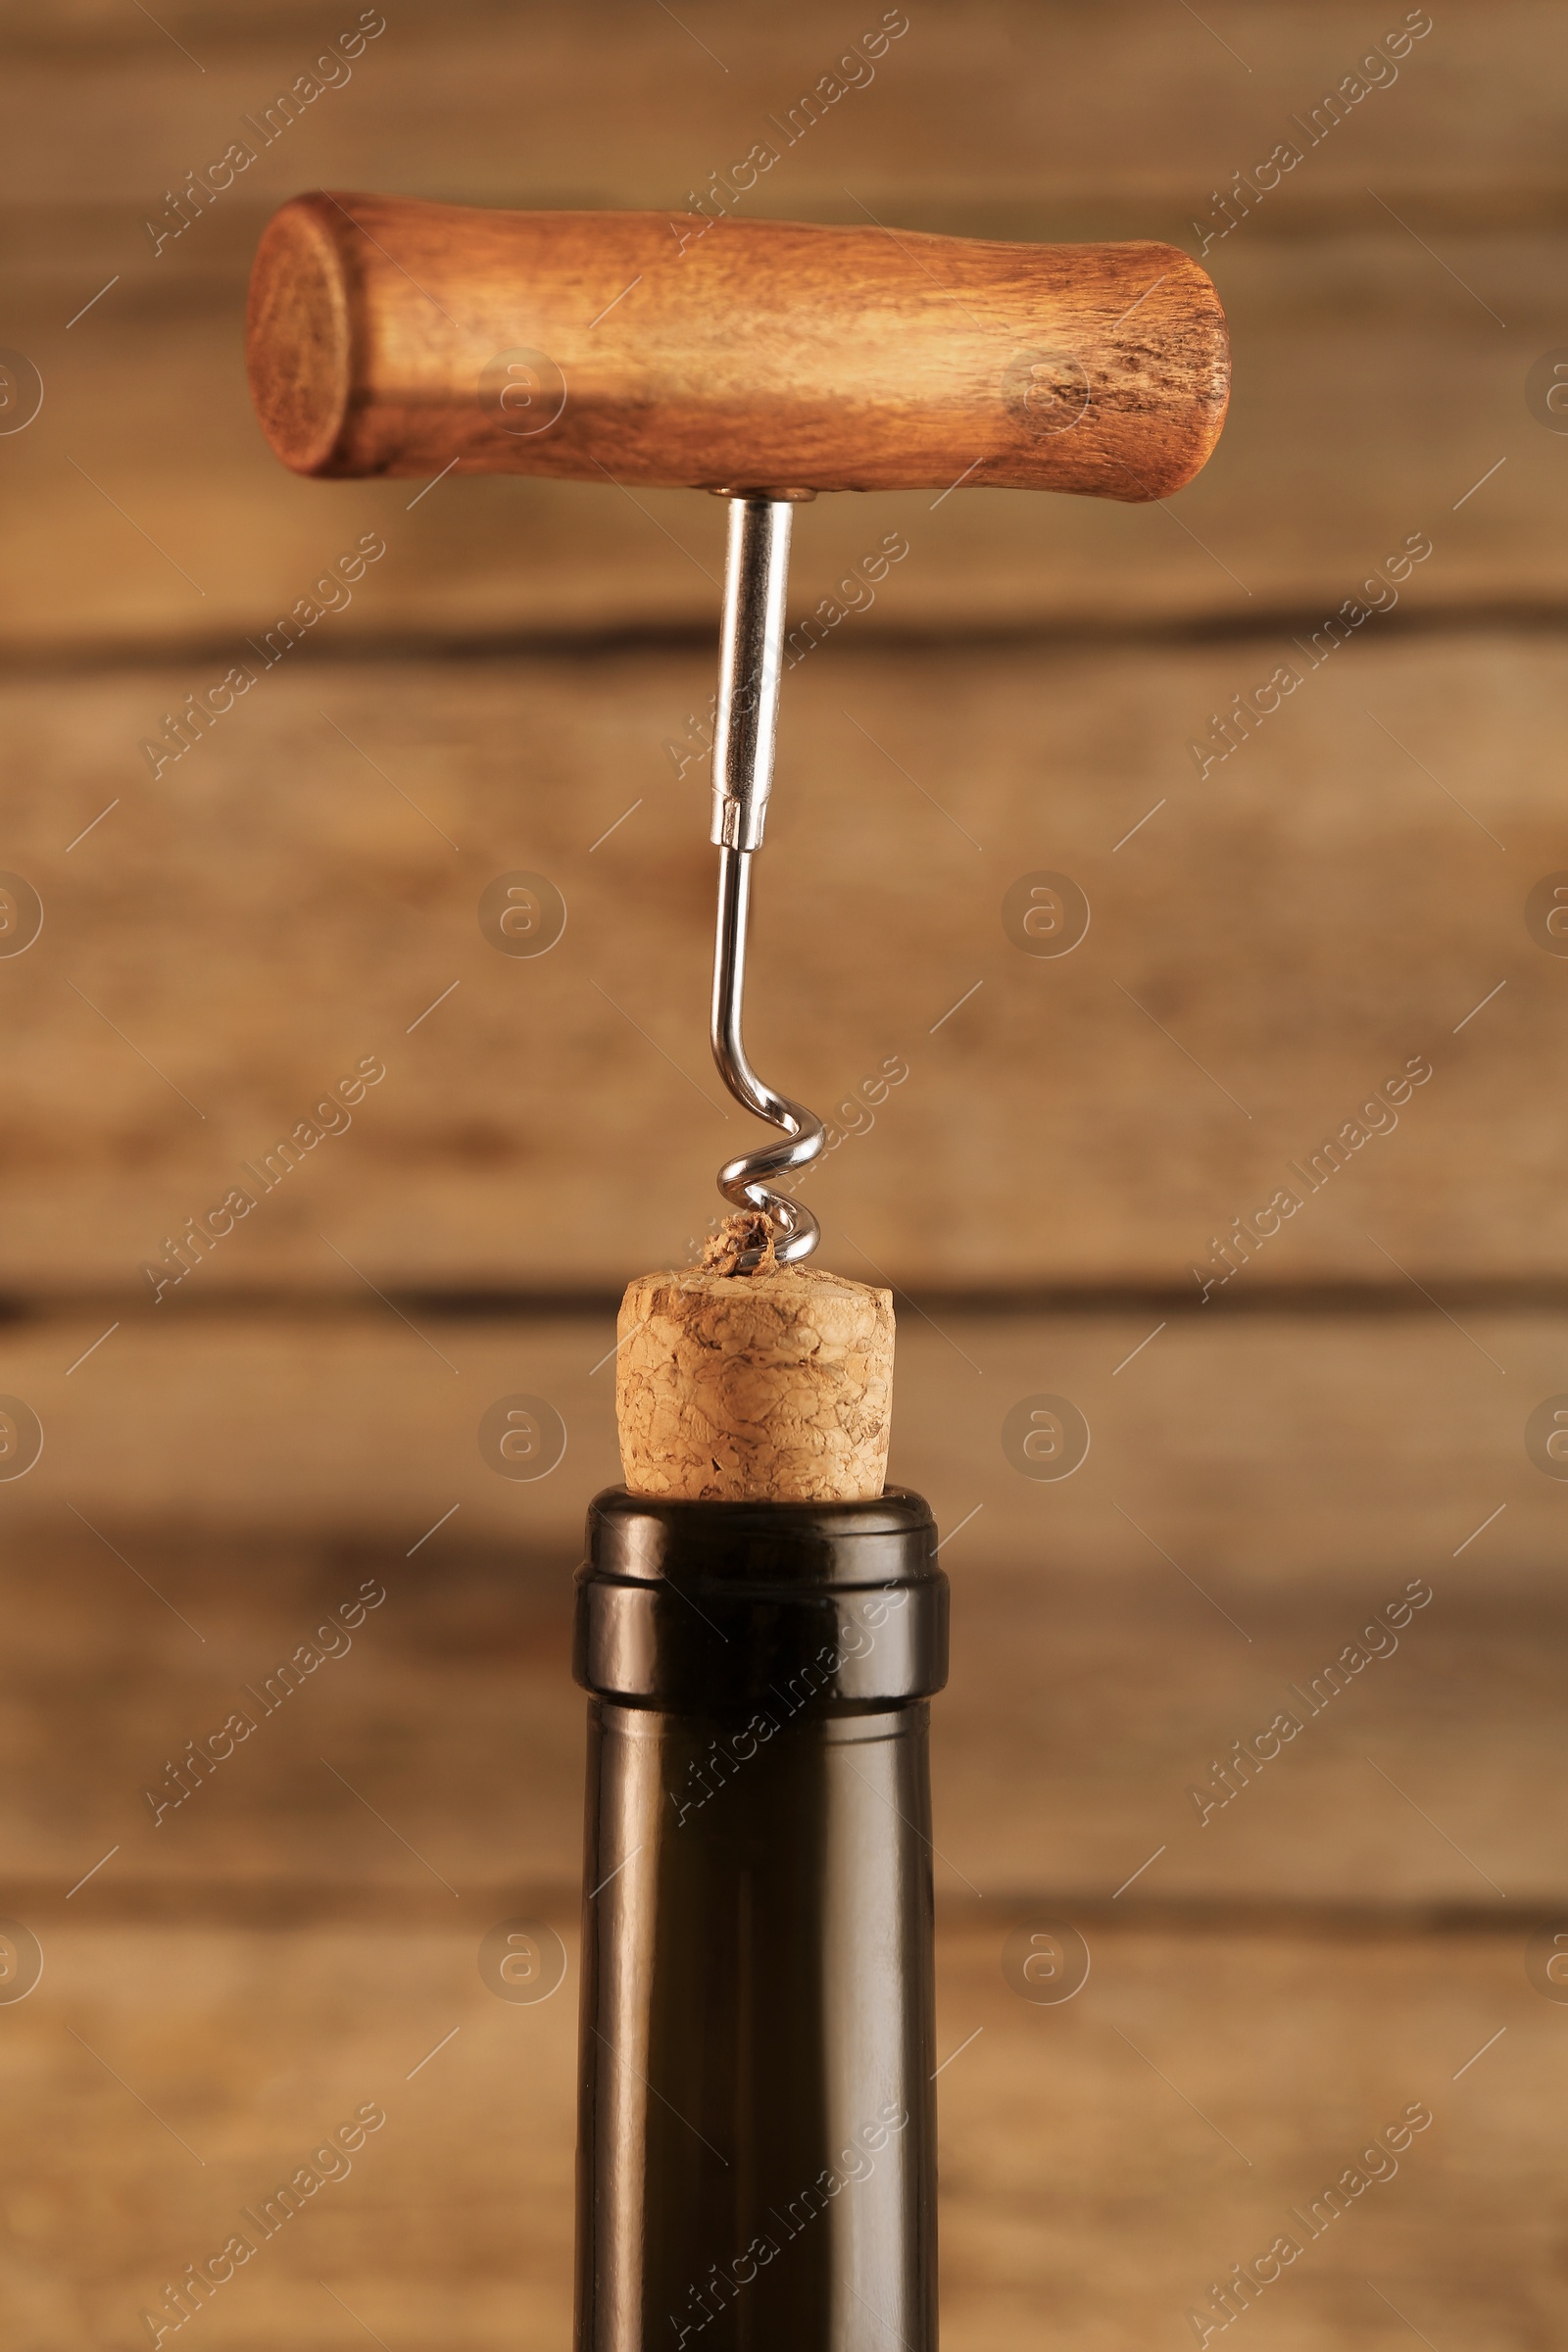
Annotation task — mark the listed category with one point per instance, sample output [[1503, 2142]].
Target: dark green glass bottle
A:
[[757, 2166]]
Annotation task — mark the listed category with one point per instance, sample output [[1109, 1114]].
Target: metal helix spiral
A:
[[755, 578], [747, 1181]]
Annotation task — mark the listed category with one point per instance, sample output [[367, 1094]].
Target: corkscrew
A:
[[389, 337], [756, 579]]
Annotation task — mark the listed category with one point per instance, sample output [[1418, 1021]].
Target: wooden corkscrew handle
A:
[[391, 336]]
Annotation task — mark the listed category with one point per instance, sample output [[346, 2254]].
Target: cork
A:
[[775, 1385]]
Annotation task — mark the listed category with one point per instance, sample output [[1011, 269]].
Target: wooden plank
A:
[[1252, 1496], [1206, 2083], [1327, 291], [494, 102], [1260, 1448], [1342, 894], [1295, 2056], [1304, 496]]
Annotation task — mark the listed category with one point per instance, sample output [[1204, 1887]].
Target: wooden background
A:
[[1268, 944]]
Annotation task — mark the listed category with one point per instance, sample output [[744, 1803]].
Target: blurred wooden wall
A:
[[1361, 885]]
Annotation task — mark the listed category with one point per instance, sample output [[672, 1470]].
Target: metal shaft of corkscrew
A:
[[757, 575]]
